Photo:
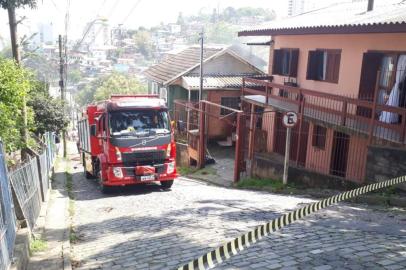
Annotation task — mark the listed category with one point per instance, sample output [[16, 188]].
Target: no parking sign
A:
[[289, 119]]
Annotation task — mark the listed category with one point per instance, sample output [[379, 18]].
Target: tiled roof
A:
[[215, 81], [387, 16], [174, 65]]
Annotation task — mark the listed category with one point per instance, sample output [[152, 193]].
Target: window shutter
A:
[[277, 62], [294, 58], [312, 63], [333, 66], [370, 66]]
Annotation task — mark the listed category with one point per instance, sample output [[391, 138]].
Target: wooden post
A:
[[238, 147], [267, 94], [243, 87], [402, 135], [202, 133], [301, 113], [344, 113], [372, 120], [252, 132], [287, 153]]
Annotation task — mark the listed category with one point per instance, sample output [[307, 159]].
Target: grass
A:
[[274, 185], [37, 245], [185, 170], [206, 171]]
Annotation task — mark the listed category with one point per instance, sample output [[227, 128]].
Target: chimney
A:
[[370, 5]]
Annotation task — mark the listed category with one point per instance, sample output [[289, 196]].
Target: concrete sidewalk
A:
[[56, 228]]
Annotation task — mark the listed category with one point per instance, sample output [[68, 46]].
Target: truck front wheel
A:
[[166, 184]]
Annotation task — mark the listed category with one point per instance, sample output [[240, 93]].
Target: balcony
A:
[[345, 113]]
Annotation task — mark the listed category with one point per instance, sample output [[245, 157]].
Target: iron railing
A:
[[26, 184]]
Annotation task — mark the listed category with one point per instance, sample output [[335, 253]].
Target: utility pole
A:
[[201, 39], [62, 85], [17, 58]]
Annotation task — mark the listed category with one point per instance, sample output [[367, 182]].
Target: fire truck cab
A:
[[128, 140]]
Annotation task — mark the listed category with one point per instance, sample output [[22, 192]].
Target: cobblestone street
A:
[[147, 228]]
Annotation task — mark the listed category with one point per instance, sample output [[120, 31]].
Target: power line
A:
[[100, 8], [91, 25], [131, 11], [56, 7]]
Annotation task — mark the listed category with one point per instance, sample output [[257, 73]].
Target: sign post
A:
[[289, 121]]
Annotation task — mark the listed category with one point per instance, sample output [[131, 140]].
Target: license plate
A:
[[147, 177]]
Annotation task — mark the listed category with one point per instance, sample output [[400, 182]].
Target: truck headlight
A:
[[117, 172], [170, 168], [118, 154], [169, 150]]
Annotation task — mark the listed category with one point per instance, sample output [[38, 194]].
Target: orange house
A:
[[342, 69]]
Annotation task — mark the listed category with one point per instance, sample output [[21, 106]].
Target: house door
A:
[[298, 147], [339, 154]]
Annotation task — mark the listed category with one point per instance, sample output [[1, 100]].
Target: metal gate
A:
[[192, 118]]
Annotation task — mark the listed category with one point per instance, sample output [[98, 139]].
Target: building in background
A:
[[46, 33], [98, 33], [296, 7]]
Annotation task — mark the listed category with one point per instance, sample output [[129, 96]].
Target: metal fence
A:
[[30, 184], [7, 216], [26, 184]]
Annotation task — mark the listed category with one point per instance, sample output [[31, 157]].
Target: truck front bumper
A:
[[118, 175]]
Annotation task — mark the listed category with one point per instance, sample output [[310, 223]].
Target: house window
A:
[[324, 65], [231, 102], [285, 62], [154, 88], [319, 137], [163, 93]]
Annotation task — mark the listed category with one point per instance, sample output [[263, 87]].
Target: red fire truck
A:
[[127, 140]]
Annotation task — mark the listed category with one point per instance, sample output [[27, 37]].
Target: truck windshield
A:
[[139, 123]]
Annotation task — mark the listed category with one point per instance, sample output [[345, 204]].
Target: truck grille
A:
[[144, 158], [131, 171]]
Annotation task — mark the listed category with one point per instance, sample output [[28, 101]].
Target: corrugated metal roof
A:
[[335, 16], [175, 65], [214, 82]]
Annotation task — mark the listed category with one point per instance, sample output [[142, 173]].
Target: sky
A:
[[131, 13]]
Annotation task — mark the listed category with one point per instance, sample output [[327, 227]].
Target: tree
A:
[[118, 84], [48, 115], [143, 43], [74, 76], [221, 33], [14, 86], [102, 88], [11, 5]]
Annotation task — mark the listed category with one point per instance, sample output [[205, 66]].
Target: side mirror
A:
[[93, 130]]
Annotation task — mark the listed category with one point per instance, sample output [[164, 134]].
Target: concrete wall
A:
[[352, 45], [384, 163], [271, 166]]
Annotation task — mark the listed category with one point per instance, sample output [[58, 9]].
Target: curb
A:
[[67, 264], [21, 250]]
